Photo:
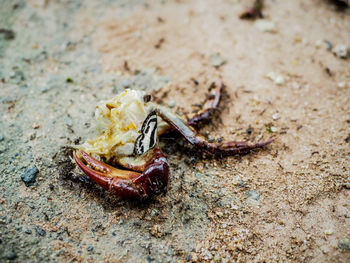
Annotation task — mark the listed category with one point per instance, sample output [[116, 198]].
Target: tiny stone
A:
[[274, 129], [275, 116], [216, 60], [126, 83], [328, 232], [155, 212], [2, 138], [28, 231], [11, 255], [14, 156], [340, 51], [29, 176], [90, 248], [172, 103], [253, 194], [318, 43], [32, 136], [344, 244], [219, 214], [40, 231], [343, 85], [277, 79], [265, 26], [43, 89]]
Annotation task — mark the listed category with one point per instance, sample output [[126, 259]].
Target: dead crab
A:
[[132, 125]]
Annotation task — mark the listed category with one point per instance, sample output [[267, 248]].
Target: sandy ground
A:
[[289, 202]]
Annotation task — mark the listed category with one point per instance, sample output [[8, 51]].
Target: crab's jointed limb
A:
[[192, 136], [210, 104], [151, 181]]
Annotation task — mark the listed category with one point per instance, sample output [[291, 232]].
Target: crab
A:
[[125, 158]]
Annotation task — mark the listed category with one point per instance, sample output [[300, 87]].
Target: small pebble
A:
[[32, 136], [343, 85], [43, 89], [253, 194], [340, 51], [11, 255], [90, 248], [155, 212], [328, 232], [219, 214], [40, 231], [265, 26], [318, 43], [2, 138], [277, 79], [172, 103], [29, 176], [217, 60], [275, 116], [274, 129], [344, 244]]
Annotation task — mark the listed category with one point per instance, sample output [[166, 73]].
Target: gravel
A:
[[29, 176], [344, 244]]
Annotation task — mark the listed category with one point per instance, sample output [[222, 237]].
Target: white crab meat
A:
[[121, 119]]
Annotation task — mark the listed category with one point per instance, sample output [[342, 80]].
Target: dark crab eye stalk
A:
[[146, 172]]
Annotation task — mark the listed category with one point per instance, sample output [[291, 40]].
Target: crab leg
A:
[[207, 110], [123, 183], [210, 105], [190, 134]]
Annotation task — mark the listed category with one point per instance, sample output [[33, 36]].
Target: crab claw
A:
[[124, 183]]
